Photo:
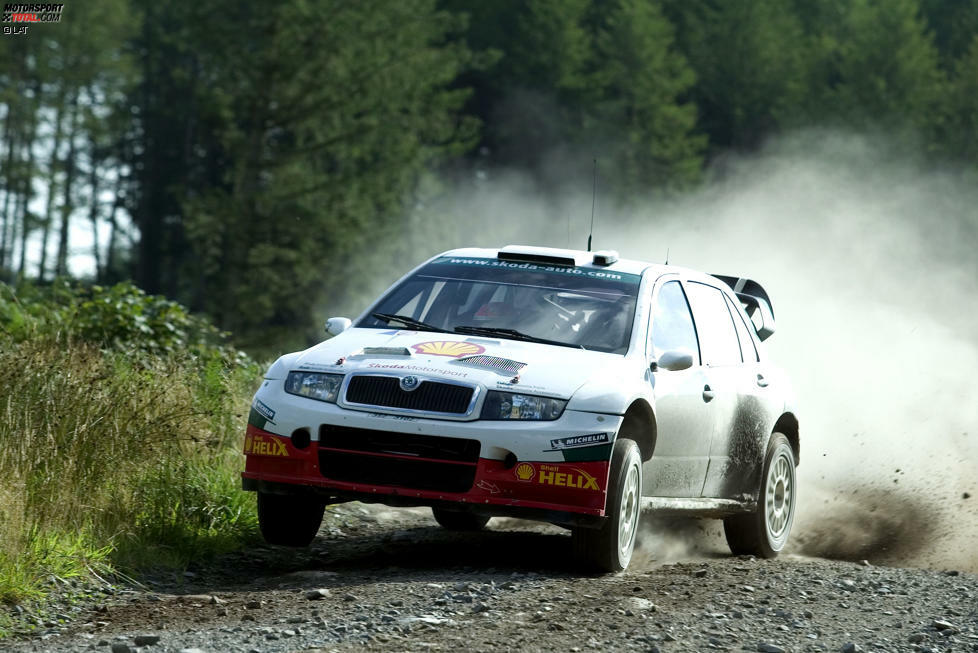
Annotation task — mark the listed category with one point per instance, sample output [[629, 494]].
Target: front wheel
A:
[[289, 520], [610, 547], [764, 532]]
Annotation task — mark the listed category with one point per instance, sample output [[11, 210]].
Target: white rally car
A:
[[559, 385]]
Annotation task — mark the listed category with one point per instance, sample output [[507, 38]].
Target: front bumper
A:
[[517, 467], [566, 487]]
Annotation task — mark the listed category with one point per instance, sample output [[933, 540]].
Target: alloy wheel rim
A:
[[628, 513], [779, 497]]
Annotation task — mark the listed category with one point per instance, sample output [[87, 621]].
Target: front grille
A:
[[429, 396], [420, 462], [407, 444]]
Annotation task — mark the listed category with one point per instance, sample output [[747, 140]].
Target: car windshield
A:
[[581, 307]]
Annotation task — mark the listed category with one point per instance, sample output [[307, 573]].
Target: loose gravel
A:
[[392, 580]]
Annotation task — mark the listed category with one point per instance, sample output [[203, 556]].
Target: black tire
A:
[[765, 532], [456, 520], [610, 547], [289, 520]]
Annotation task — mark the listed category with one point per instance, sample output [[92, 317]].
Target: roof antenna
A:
[[667, 256], [594, 192]]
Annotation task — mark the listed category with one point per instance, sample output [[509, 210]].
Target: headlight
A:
[[314, 385], [509, 405]]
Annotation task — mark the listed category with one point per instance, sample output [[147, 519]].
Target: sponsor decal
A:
[[593, 453], [573, 478], [578, 441], [260, 415], [264, 410], [258, 420], [397, 417], [525, 472], [416, 368], [259, 445], [450, 348], [542, 267], [491, 488], [507, 385]]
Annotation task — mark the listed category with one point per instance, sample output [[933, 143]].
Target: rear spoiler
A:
[[756, 303]]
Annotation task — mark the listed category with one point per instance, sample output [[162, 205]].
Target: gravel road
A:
[[393, 580]]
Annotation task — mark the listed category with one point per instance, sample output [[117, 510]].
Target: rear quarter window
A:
[[747, 347]]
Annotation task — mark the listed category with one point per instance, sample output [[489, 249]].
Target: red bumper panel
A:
[[572, 487]]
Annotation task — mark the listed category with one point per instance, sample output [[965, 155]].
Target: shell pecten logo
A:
[[525, 471], [451, 348]]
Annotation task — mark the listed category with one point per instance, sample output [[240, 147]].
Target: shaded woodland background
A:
[[256, 161]]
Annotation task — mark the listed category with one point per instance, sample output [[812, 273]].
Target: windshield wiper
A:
[[417, 325], [512, 334]]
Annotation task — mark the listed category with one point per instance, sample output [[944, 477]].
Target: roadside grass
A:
[[119, 450]]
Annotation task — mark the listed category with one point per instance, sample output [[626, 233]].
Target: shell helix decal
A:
[[260, 445], [572, 477], [450, 348], [556, 475], [525, 472]]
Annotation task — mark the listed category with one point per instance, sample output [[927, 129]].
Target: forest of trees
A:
[[247, 158]]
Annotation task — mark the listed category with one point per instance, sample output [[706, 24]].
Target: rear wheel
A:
[[455, 520], [764, 532], [610, 547], [289, 520]]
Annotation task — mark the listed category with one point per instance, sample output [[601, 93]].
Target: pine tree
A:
[[753, 67], [284, 161], [887, 70], [640, 120]]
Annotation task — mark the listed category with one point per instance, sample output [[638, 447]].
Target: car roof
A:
[[581, 258]]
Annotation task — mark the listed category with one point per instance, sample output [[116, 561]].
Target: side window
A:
[[715, 327], [672, 325], [747, 348]]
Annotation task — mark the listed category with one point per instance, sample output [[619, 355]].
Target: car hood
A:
[[547, 370]]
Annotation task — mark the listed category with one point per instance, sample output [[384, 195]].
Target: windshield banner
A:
[[561, 270]]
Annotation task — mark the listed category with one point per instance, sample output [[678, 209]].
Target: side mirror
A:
[[675, 360], [337, 325]]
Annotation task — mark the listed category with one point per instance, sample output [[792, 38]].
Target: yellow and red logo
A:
[[525, 471], [573, 478], [452, 348], [259, 445]]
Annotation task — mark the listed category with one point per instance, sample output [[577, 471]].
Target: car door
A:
[[731, 361], [684, 416]]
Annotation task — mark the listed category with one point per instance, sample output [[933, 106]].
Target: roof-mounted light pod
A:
[[605, 257]]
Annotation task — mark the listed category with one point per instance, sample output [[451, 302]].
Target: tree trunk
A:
[[109, 273], [27, 184], [52, 186], [61, 267], [8, 182], [93, 206]]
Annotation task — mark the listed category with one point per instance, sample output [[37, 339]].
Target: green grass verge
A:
[[114, 457]]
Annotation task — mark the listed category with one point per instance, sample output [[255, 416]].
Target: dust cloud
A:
[[870, 260]]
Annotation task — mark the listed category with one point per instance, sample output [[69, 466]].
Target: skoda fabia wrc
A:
[[571, 387]]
